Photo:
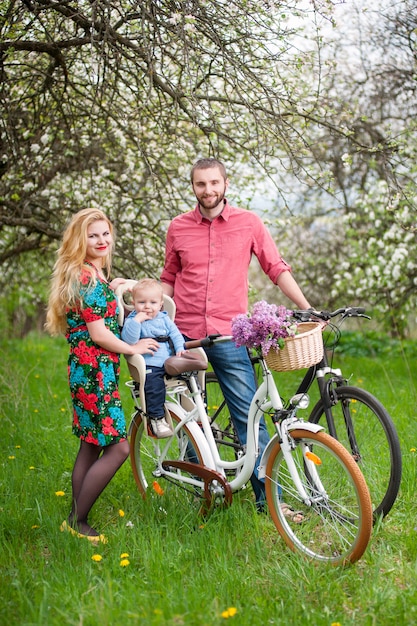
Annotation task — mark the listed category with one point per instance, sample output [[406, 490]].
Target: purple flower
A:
[[265, 328]]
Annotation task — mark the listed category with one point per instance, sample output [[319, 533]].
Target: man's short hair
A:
[[205, 164]]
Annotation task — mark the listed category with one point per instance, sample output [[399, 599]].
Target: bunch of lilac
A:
[[265, 328]]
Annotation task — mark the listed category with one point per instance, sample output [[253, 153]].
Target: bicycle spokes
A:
[[332, 503]]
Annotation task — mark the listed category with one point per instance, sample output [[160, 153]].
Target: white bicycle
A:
[[306, 471]]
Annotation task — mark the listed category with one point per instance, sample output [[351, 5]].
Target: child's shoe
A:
[[160, 428]]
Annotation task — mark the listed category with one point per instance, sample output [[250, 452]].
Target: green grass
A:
[[182, 571]]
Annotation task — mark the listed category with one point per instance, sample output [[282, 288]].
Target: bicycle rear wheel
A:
[[336, 525], [145, 454], [365, 428]]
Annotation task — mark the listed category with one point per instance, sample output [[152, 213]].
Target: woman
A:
[[82, 306]]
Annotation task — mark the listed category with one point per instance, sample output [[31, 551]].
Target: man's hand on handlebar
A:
[[324, 316]]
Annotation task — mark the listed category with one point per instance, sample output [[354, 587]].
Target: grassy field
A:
[[162, 565]]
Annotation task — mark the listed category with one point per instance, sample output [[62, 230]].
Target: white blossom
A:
[[175, 18], [396, 272]]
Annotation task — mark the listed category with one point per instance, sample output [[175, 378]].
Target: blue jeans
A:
[[236, 377], [155, 392]]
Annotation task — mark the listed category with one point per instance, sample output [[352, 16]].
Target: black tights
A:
[[93, 469]]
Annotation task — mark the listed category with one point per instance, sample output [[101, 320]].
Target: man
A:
[[208, 251]]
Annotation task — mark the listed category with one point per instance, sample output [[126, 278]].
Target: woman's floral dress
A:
[[92, 371]]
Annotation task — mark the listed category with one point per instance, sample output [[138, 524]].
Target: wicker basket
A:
[[302, 350]]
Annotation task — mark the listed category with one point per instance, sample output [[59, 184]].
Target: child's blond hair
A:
[[146, 283]]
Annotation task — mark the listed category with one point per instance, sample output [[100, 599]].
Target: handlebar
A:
[[311, 314], [207, 342], [307, 315]]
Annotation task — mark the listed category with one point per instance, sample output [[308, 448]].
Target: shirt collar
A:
[[225, 214]]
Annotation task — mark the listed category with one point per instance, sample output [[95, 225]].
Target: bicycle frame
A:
[[326, 376], [266, 399], [336, 410], [283, 429], [307, 472]]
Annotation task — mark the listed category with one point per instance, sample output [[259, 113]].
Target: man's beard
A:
[[212, 203]]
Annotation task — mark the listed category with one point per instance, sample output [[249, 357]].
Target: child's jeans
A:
[[155, 392]]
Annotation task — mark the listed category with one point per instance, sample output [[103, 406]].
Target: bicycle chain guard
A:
[[208, 475]]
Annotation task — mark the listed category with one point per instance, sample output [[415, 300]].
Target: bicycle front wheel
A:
[[334, 525], [145, 458], [365, 428]]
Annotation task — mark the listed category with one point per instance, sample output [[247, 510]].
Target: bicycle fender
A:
[[302, 425], [312, 428], [264, 459]]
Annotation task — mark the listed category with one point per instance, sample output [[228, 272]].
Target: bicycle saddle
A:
[[188, 362]]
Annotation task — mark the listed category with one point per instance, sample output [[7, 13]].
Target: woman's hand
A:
[[116, 282], [145, 346], [104, 337]]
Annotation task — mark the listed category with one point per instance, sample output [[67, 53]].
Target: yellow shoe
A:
[[95, 539]]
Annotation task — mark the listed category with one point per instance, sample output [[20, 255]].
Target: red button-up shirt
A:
[[207, 262]]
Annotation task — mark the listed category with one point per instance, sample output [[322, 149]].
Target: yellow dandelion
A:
[[37, 376], [230, 612], [121, 513], [32, 467], [412, 449], [124, 562], [17, 447], [336, 624], [11, 457], [60, 493], [35, 410], [97, 558], [62, 409], [124, 555], [35, 526]]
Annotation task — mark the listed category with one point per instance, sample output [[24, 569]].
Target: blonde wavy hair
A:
[[65, 283]]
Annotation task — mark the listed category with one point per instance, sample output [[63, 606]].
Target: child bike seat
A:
[[136, 363]]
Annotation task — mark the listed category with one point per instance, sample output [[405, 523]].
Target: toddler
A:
[[147, 320]]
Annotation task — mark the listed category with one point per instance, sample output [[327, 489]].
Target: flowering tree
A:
[[353, 242], [109, 102], [377, 260]]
